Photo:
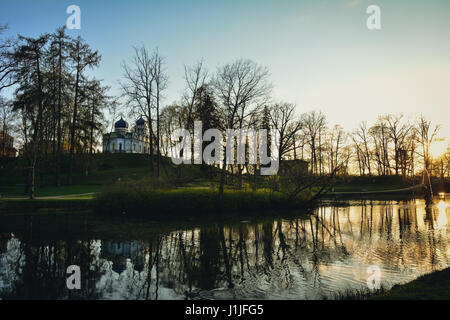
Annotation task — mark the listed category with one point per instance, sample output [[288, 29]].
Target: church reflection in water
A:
[[309, 257]]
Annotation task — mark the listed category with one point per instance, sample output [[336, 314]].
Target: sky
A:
[[320, 53]]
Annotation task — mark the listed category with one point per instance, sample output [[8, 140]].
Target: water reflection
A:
[[304, 258]]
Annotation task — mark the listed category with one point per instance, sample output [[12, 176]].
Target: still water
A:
[[305, 257]]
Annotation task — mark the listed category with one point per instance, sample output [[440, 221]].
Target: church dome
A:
[[121, 124], [140, 122]]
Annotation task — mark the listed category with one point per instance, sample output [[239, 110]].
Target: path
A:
[[50, 197]]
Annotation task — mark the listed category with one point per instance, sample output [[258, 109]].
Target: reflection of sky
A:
[[128, 283], [9, 263], [330, 253]]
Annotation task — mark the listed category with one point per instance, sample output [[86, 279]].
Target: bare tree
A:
[[336, 141], [195, 78], [381, 139], [6, 123], [241, 88], [8, 64], [426, 135], [313, 123], [397, 132], [138, 86], [364, 152], [282, 116], [161, 79], [144, 81]]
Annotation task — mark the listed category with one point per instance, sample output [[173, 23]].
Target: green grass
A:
[[107, 169], [141, 199]]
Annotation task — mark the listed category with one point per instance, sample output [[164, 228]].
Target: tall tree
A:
[[82, 57], [96, 101], [29, 59], [397, 131], [242, 89], [364, 151], [138, 87], [282, 118], [195, 78], [59, 51], [313, 123], [160, 76], [205, 109], [6, 123], [426, 135]]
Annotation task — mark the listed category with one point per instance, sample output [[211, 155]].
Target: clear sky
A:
[[320, 53]]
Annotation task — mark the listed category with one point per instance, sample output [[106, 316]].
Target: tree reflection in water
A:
[[308, 257]]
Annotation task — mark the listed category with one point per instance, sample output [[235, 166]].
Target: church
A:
[[121, 141]]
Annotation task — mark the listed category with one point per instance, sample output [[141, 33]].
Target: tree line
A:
[[238, 96], [58, 108]]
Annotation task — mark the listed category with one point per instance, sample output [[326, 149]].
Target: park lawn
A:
[[81, 185], [112, 168], [433, 286]]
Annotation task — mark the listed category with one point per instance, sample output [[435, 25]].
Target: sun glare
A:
[[438, 148]]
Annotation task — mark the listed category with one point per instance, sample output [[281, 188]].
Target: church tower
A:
[[121, 126], [141, 127]]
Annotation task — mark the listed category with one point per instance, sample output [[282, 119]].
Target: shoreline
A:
[[185, 195], [431, 286]]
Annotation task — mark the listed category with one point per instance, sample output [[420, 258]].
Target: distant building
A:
[[122, 141], [119, 252], [293, 167], [7, 146]]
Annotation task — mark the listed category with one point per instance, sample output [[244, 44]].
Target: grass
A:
[[124, 184], [107, 169], [433, 286], [356, 294], [144, 200]]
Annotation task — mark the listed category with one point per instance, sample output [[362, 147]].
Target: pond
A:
[[333, 251]]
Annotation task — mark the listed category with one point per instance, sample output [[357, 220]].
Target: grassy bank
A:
[[134, 199], [433, 286], [106, 169]]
